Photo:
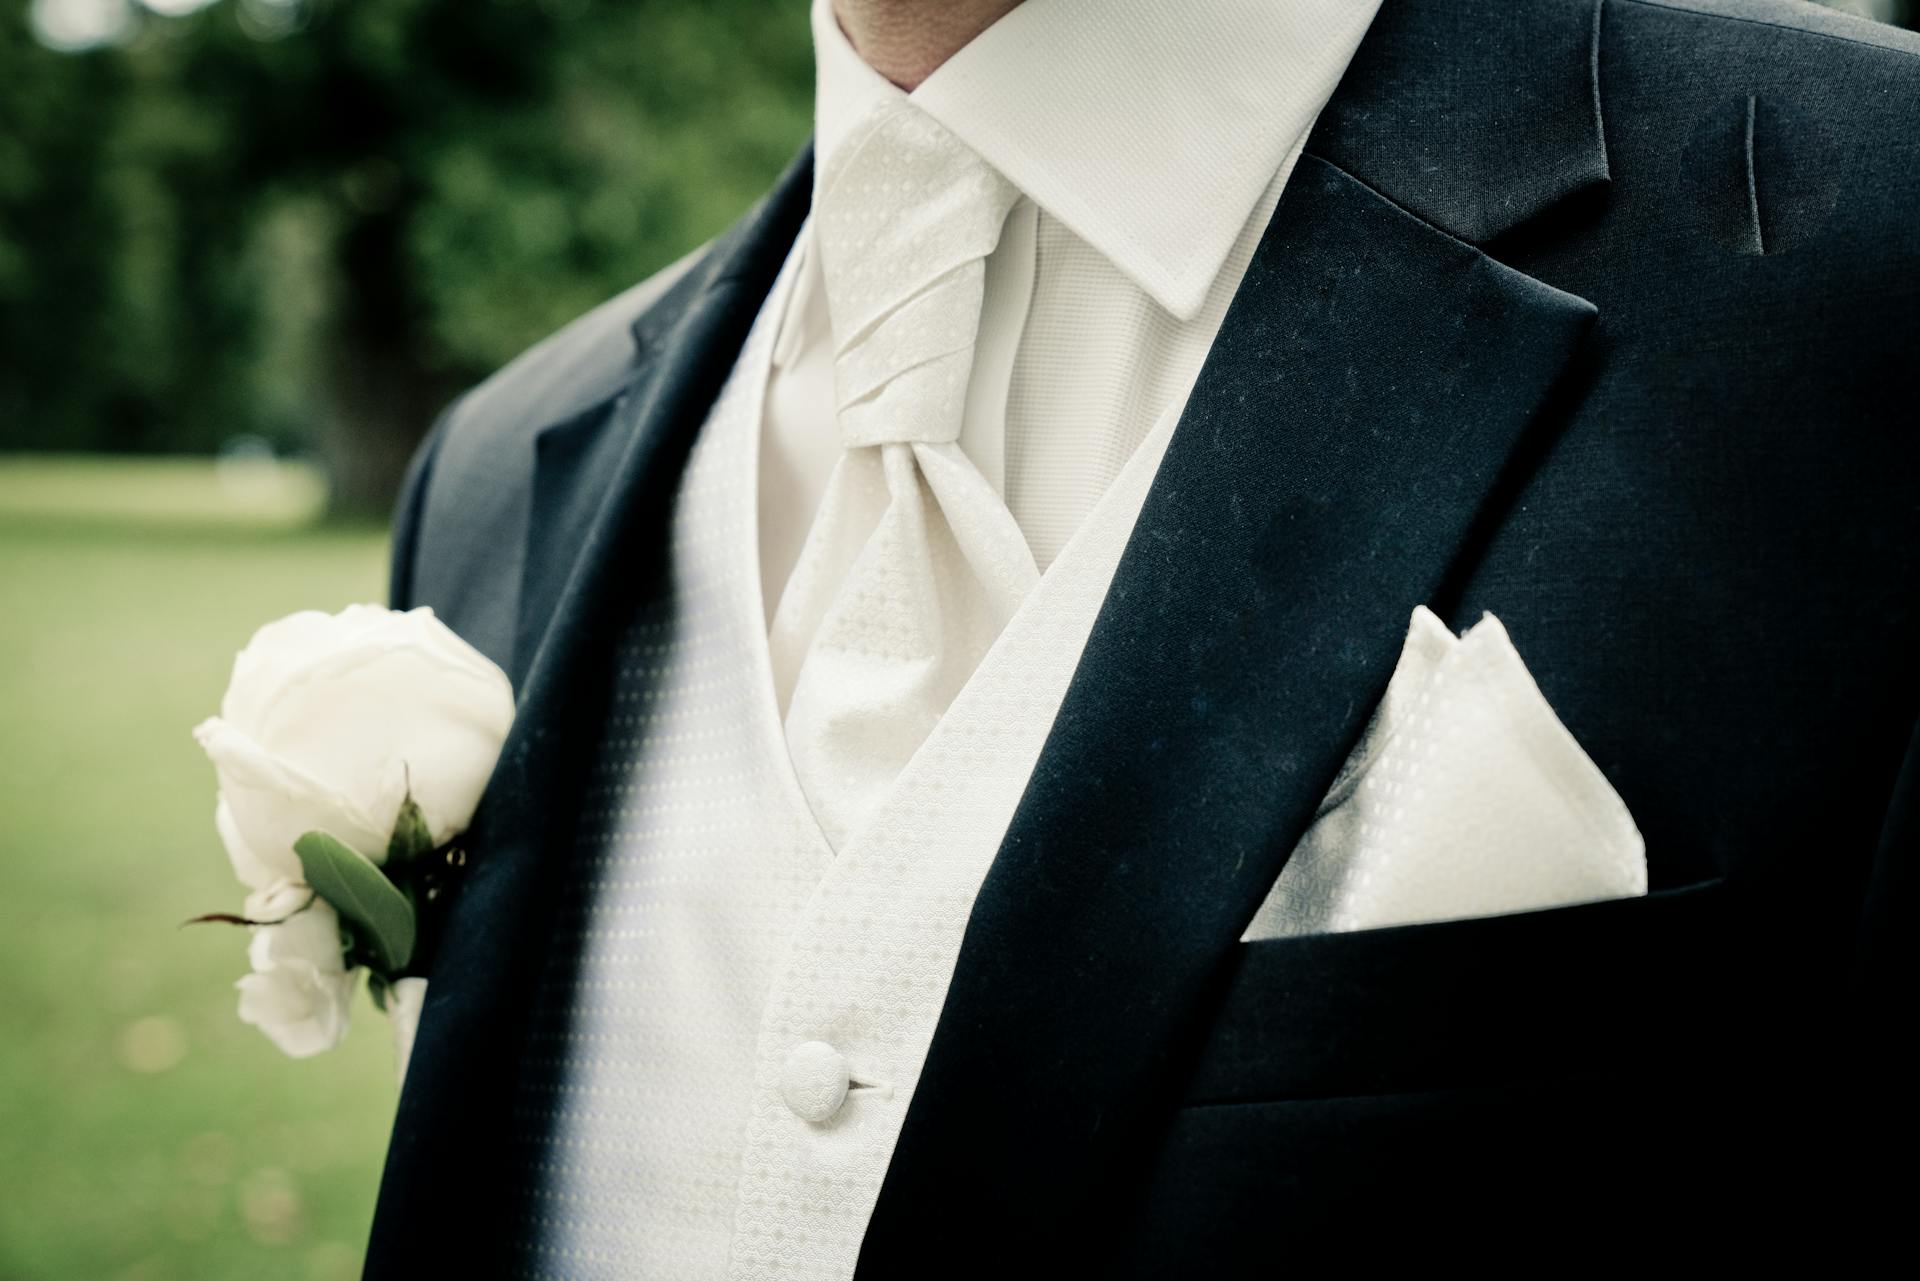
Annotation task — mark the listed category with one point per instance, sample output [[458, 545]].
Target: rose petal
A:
[[273, 803], [301, 1010], [309, 936], [255, 871]]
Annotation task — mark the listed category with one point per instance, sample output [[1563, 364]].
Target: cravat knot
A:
[[906, 217]]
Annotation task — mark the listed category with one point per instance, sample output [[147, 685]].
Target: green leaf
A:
[[411, 838], [362, 895]]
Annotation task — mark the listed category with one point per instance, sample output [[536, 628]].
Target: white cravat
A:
[[913, 564]]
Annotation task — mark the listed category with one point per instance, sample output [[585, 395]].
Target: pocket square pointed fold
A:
[[1465, 797]]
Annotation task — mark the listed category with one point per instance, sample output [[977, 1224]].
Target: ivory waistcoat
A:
[[708, 930]]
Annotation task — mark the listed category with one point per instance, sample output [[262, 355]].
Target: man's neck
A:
[[905, 40]]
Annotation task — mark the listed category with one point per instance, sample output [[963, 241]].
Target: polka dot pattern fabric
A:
[[913, 563]]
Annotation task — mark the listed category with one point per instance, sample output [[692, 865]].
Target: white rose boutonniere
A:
[[351, 750]]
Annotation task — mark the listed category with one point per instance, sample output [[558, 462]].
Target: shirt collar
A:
[[1150, 129]]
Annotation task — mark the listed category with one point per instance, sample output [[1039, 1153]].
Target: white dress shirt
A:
[[1150, 142]]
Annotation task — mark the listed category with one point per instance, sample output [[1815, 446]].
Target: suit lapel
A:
[[603, 487], [575, 465], [1374, 378]]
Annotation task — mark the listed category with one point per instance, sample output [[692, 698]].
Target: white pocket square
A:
[[1465, 797]]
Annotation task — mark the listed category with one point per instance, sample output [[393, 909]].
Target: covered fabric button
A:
[[814, 1081]]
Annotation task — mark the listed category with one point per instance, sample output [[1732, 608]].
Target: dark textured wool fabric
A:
[[1598, 316]]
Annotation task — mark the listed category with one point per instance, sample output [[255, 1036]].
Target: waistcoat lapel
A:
[[1374, 378], [603, 487]]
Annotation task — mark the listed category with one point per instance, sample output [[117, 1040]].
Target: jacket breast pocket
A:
[[1525, 1076], [1470, 1001]]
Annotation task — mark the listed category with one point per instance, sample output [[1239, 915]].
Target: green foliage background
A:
[[314, 220]]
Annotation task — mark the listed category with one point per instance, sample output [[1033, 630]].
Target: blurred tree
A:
[[313, 220]]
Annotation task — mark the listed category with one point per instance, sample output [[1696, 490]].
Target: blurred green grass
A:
[[145, 1133]]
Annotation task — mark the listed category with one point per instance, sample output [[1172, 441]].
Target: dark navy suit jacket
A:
[[1602, 315]]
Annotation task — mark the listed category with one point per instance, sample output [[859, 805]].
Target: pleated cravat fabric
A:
[[913, 564]]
